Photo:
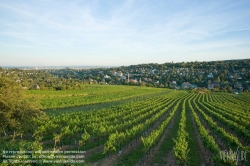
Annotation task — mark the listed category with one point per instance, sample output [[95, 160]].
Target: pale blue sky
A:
[[116, 32]]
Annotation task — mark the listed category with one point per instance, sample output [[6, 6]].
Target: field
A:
[[89, 95], [126, 125]]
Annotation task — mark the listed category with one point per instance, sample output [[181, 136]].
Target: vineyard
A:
[[142, 126], [89, 95]]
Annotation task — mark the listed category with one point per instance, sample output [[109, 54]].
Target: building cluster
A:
[[211, 75]]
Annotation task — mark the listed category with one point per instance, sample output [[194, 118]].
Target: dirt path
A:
[[99, 148], [116, 157], [204, 155], [216, 138], [229, 131], [170, 158]]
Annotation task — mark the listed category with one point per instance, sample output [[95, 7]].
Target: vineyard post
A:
[[75, 140], [4, 130], [14, 135]]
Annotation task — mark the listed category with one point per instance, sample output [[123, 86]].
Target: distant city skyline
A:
[[97, 66], [117, 33]]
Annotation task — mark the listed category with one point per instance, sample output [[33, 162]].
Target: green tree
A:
[[229, 89], [17, 114], [143, 83], [217, 79]]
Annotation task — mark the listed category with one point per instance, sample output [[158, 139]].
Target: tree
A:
[[17, 114], [217, 79], [229, 89], [143, 83]]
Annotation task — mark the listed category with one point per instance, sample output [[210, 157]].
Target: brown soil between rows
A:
[[89, 152], [111, 160], [170, 156], [244, 142], [204, 155], [216, 138]]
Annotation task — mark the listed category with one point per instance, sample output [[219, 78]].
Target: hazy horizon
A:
[[117, 33], [99, 66]]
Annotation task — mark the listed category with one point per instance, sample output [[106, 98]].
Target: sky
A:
[[117, 32]]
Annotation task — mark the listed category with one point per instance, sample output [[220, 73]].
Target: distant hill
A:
[[227, 75]]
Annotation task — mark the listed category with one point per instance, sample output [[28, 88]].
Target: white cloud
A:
[[131, 28]]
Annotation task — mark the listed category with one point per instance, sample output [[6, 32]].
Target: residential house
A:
[[123, 77], [194, 86], [185, 85], [36, 87], [210, 86], [210, 75], [238, 86], [156, 82], [106, 76], [151, 72], [216, 84], [174, 84], [103, 83], [239, 78], [119, 73], [133, 81]]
